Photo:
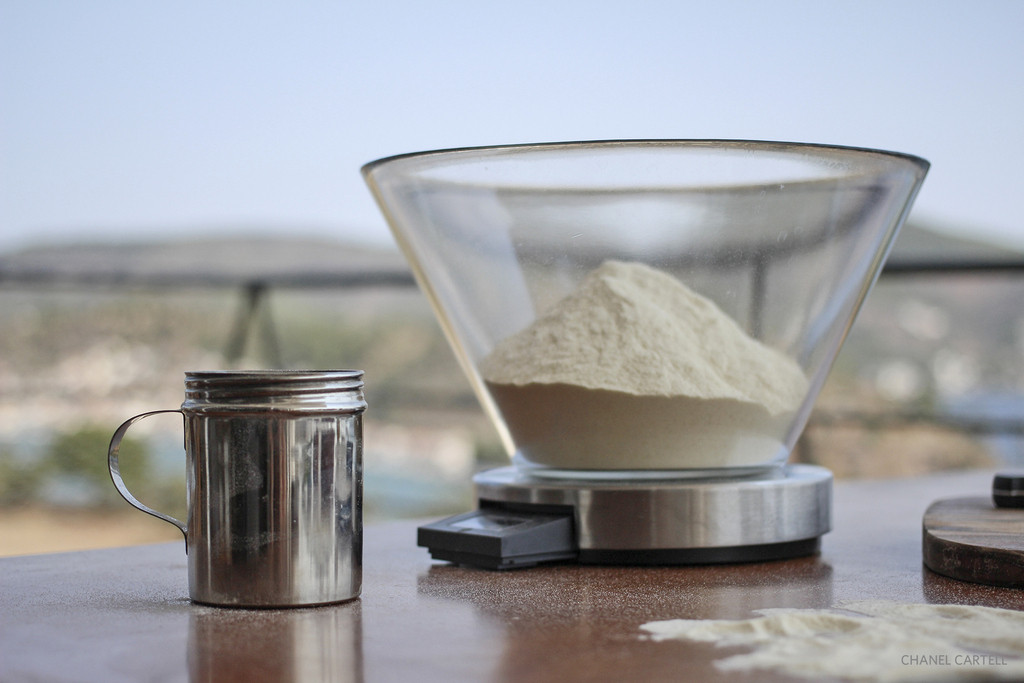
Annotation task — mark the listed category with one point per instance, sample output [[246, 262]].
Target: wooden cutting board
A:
[[973, 540]]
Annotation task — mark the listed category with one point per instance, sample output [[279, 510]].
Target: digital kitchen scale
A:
[[524, 520]]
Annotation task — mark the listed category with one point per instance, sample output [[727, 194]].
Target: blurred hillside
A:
[[932, 361], [96, 333]]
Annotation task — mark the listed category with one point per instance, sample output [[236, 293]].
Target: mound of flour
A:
[[634, 370]]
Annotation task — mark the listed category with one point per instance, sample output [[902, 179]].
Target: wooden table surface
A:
[[123, 614]]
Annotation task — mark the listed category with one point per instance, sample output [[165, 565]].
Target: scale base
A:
[[526, 520]]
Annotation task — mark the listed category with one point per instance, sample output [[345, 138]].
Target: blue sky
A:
[[140, 120]]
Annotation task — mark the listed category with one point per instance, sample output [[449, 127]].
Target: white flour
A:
[[633, 370], [869, 640]]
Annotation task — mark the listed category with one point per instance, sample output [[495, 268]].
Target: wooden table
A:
[[124, 615]]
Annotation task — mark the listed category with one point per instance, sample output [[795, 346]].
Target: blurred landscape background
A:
[[930, 379], [180, 189]]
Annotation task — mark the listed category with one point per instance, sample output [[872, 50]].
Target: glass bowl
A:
[[646, 308]]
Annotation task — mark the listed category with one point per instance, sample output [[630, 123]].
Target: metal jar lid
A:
[[333, 391]]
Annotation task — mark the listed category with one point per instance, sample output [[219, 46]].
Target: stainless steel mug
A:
[[275, 479]]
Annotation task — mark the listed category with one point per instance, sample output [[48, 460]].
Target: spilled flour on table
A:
[[867, 640]]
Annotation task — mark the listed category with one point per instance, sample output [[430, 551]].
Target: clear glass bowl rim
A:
[[922, 164]]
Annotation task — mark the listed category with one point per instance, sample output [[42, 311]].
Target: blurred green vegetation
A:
[[73, 364], [72, 470], [19, 480], [85, 358]]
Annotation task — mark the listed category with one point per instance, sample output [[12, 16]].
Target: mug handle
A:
[[115, 471]]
